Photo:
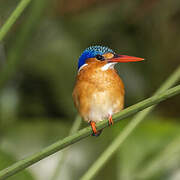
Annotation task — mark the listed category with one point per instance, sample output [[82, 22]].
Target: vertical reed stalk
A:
[[12, 19]]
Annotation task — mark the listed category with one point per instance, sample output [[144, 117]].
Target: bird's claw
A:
[[111, 122], [95, 132]]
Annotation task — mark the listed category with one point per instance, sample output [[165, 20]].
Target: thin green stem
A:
[[160, 162], [114, 146], [11, 20], [61, 144], [16, 51], [75, 127]]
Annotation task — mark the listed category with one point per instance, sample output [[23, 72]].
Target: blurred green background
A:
[[36, 106]]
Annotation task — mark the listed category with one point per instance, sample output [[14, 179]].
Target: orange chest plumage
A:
[[98, 93]]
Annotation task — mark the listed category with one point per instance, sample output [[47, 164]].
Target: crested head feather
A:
[[91, 52]]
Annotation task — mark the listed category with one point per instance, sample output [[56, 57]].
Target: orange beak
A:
[[125, 58]]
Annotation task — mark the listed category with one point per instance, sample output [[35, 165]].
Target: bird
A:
[[99, 91]]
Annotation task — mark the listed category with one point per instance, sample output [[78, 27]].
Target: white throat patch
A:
[[108, 66], [82, 67]]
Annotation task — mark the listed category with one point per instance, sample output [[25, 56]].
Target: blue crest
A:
[[91, 52]]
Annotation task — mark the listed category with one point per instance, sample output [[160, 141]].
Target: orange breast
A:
[[98, 93]]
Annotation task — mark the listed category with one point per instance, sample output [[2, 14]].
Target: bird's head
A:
[[103, 54]]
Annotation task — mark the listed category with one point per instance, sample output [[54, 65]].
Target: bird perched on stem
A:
[[99, 91]]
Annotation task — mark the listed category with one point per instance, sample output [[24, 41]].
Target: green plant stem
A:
[[114, 146], [11, 20], [16, 52], [162, 160], [76, 125], [61, 144]]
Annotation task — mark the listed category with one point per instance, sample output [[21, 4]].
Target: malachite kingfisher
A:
[[99, 91]]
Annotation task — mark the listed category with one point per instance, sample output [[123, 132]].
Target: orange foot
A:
[[110, 120], [95, 132]]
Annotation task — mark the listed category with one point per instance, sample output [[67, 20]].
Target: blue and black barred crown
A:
[[91, 52]]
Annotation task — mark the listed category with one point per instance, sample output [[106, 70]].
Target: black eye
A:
[[100, 57]]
